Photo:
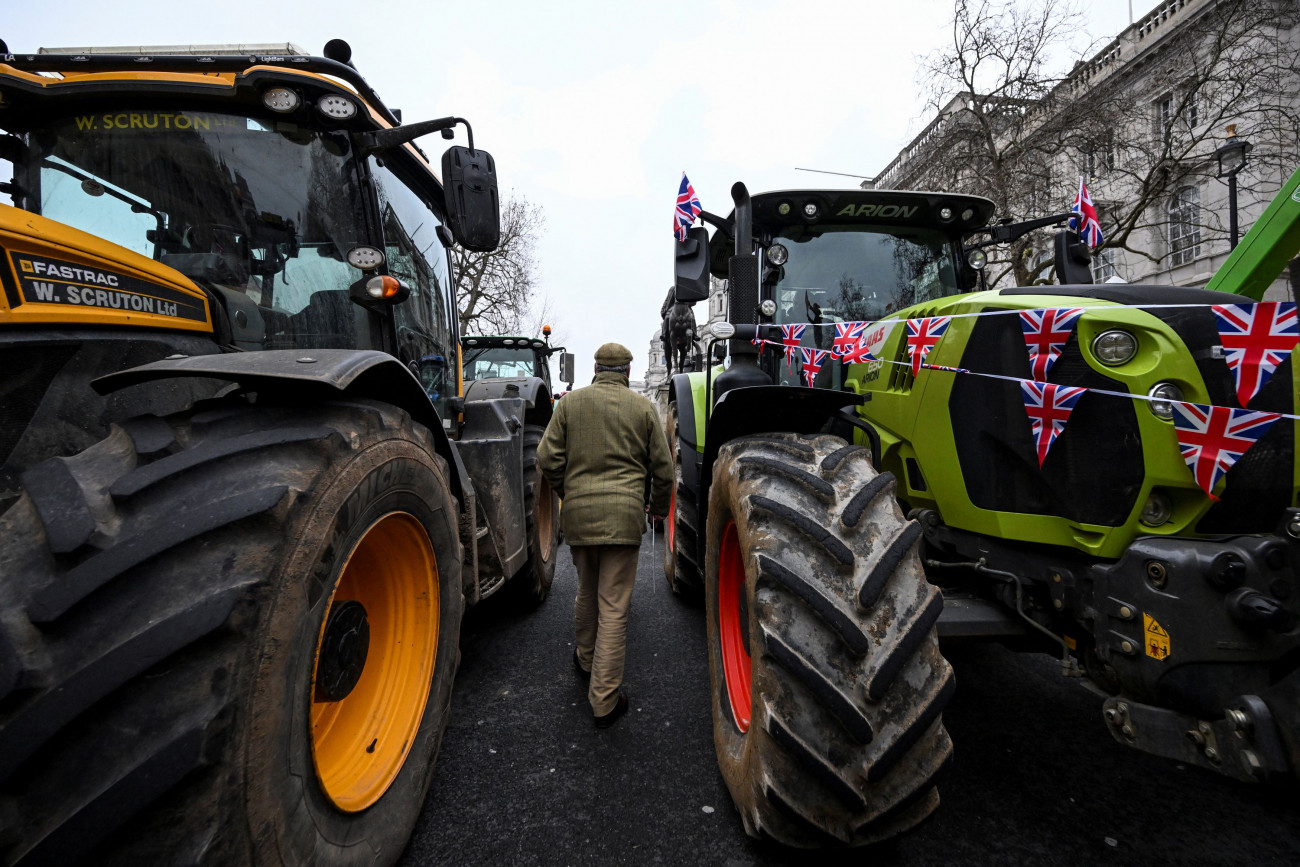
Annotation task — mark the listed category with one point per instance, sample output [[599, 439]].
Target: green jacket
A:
[[603, 441]]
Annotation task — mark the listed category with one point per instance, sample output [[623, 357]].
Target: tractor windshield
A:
[[855, 274], [846, 274], [259, 207], [500, 361]]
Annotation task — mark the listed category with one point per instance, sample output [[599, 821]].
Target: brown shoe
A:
[[604, 722], [577, 666]]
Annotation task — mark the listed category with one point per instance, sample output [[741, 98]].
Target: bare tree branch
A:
[[1018, 124], [496, 290]]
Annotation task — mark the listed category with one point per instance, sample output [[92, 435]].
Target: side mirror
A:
[[469, 180], [566, 368], [1073, 259], [691, 266]]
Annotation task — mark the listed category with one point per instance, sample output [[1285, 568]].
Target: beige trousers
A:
[[606, 576]]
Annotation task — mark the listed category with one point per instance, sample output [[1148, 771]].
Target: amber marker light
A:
[[383, 287]]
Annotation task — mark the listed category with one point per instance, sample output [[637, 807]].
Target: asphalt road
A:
[[524, 778]]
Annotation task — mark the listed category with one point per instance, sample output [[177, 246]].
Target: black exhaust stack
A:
[[742, 287]]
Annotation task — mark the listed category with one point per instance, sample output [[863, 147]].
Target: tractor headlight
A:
[[977, 259], [777, 255], [337, 107], [365, 258], [768, 307], [1162, 393], [281, 99], [1157, 510], [1114, 347]]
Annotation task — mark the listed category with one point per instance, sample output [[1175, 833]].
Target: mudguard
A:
[[322, 373]]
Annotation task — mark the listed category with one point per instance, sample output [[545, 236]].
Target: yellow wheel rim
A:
[[545, 518], [360, 741]]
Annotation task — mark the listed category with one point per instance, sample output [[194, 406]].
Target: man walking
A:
[[602, 443]]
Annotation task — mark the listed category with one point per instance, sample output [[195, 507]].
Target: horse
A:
[[678, 333]]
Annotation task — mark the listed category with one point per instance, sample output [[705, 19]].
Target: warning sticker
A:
[[52, 281], [1157, 640]]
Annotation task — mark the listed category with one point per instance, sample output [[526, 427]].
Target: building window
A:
[[1184, 226], [1164, 116], [1193, 110], [1099, 156], [1103, 265]]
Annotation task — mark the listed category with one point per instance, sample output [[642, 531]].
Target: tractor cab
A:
[[833, 256], [513, 357]]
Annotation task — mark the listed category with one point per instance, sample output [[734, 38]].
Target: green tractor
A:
[[862, 484]]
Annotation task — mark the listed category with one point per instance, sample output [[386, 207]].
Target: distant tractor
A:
[[499, 367]]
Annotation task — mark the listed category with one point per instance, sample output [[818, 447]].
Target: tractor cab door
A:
[[425, 322]]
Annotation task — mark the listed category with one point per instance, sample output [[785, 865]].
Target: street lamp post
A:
[[1232, 159]]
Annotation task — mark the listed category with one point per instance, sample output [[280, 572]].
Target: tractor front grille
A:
[[1093, 473]]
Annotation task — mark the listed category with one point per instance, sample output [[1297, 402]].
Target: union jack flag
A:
[[847, 336], [1046, 333], [1213, 438], [688, 208], [1048, 407], [812, 362], [1256, 339], [1091, 229], [922, 335], [790, 337]]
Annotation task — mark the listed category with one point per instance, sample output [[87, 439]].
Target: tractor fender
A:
[[537, 397], [764, 409], [319, 374], [684, 391]]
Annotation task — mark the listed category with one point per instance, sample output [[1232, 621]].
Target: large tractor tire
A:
[[681, 557], [542, 516], [228, 636], [828, 684]]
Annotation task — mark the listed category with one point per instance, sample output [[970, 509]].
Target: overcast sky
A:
[[594, 109]]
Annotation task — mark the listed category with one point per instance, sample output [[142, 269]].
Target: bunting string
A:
[[1256, 338]]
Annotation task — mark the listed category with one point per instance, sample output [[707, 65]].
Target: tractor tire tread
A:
[[845, 732]]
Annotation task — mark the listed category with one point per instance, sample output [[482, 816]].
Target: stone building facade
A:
[[1167, 94]]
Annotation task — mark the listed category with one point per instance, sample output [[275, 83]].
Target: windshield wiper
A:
[[95, 187]]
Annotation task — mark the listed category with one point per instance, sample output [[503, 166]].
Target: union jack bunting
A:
[[688, 208], [1090, 231], [922, 335], [812, 362], [1213, 438], [1256, 338], [857, 353], [1046, 333], [1048, 407], [847, 336], [790, 337]]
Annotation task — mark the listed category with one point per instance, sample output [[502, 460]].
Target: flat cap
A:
[[613, 355]]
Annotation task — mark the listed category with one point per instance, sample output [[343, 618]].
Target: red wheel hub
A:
[[732, 626]]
